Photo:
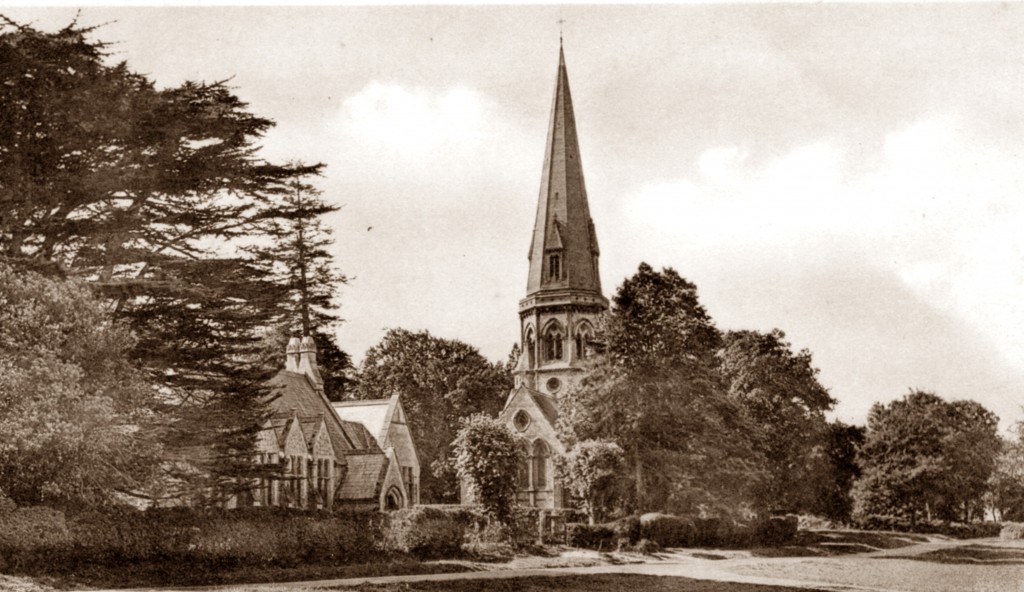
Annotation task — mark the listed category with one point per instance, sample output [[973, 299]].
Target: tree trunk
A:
[[638, 473]]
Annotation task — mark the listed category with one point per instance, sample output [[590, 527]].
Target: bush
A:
[[646, 547], [628, 528], [30, 535], [668, 530], [952, 529], [1012, 531], [430, 531], [42, 540], [601, 537], [777, 530]]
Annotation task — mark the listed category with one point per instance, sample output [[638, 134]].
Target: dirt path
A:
[[892, 570]]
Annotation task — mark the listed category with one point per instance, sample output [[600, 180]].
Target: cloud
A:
[[938, 211], [414, 122]]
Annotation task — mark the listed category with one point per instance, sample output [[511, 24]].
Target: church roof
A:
[[359, 436], [543, 402], [563, 225], [296, 395], [372, 413], [364, 476]]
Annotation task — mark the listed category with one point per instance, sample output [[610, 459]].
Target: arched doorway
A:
[[393, 500]]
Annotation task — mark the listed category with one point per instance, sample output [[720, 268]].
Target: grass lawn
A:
[[595, 583], [141, 575]]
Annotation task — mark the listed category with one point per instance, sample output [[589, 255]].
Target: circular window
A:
[[554, 384], [521, 420]]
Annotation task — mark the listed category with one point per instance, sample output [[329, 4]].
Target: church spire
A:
[[563, 252]]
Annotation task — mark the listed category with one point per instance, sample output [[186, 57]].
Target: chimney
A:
[[291, 355], [307, 362]]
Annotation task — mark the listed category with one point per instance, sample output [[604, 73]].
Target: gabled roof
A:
[[543, 402], [364, 476], [374, 414], [296, 394], [360, 438]]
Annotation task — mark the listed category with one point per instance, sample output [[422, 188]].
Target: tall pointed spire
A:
[[563, 252]]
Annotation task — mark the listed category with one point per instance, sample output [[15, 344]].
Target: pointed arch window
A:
[[523, 470], [553, 339], [541, 455]]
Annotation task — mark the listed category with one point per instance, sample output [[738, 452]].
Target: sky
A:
[[852, 174]]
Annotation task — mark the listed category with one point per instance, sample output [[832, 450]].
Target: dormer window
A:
[[554, 266]]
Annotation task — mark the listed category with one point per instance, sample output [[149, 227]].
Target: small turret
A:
[[307, 361]]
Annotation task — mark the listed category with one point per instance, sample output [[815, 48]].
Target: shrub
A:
[[646, 547], [1012, 531], [777, 530], [628, 528], [951, 529], [667, 530], [601, 537], [30, 535], [430, 531]]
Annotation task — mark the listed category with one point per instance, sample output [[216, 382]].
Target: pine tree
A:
[[150, 195]]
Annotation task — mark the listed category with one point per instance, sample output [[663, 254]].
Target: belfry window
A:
[[554, 266]]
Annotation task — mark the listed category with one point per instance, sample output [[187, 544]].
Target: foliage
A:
[[667, 530], [429, 531], [487, 457], [43, 540], [592, 536], [835, 500], [960, 530], [923, 456], [590, 472], [1012, 531], [441, 381], [656, 392], [75, 414], [151, 195], [785, 404], [1006, 485]]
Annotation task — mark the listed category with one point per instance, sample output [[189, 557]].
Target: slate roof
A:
[[364, 476], [371, 413], [294, 391], [360, 437]]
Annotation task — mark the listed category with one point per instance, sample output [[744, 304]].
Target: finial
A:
[[561, 21]]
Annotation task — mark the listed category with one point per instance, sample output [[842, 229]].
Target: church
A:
[[557, 318]]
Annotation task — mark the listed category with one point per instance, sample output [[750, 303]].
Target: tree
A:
[[923, 456], [842, 444], [656, 392], [441, 381], [76, 415], [151, 195], [487, 455], [297, 256], [785, 404], [1006, 485], [591, 473]]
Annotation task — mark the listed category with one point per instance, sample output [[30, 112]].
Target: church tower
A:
[[563, 290]]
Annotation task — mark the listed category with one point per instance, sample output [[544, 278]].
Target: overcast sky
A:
[[851, 174]]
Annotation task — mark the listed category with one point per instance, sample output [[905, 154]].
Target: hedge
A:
[[431, 531], [45, 540], [667, 530], [971, 530], [1012, 531]]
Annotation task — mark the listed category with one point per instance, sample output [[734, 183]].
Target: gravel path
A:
[[888, 570]]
